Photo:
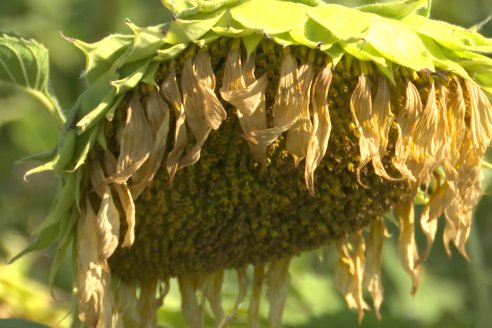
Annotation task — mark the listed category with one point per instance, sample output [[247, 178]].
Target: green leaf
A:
[[64, 201], [170, 52], [396, 9], [62, 157], [132, 74], [191, 29], [65, 237], [399, 44], [182, 8], [146, 42], [24, 65], [251, 42], [83, 146], [102, 55], [313, 35], [343, 23], [270, 17], [443, 58], [450, 36], [45, 238]]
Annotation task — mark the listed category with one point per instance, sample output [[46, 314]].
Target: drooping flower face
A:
[[234, 136]]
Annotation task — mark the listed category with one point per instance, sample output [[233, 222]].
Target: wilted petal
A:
[[349, 271], [430, 213], [170, 90], [480, 116], [241, 89], [212, 290], [321, 129], [93, 278], [135, 142], [278, 281], [372, 272], [192, 310], [299, 135], [148, 304], [108, 224], [213, 112], [247, 99], [243, 290], [127, 305], [255, 299], [287, 106], [426, 142], [373, 120], [158, 117], [407, 246], [406, 123], [382, 120]]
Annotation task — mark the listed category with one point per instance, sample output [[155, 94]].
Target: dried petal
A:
[[349, 272], [320, 133], [148, 305], [158, 117], [430, 213], [135, 142], [254, 302], [367, 120], [406, 123], [192, 310], [407, 246], [93, 278], [247, 95], [299, 135], [372, 272], [426, 142], [286, 109], [127, 305], [278, 281], [212, 291], [170, 90]]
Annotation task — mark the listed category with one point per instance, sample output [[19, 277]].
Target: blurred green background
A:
[[453, 293]]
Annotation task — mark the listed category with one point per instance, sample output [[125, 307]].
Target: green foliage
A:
[[24, 65]]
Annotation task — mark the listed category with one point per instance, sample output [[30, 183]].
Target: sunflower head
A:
[[243, 133]]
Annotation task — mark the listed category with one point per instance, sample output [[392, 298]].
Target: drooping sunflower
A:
[[245, 132]]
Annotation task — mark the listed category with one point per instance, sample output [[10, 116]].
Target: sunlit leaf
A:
[[24, 65]]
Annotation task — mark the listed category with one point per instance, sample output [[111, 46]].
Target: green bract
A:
[[428, 122]]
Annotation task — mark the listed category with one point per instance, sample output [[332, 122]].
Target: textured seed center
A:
[[227, 211]]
